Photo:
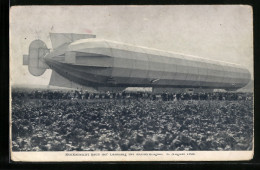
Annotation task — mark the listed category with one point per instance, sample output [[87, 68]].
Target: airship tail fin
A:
[[35, 59], [60, 81]]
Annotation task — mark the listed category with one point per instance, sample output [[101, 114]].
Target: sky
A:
[[218, 32]]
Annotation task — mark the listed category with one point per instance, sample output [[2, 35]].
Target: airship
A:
[[82, 60]]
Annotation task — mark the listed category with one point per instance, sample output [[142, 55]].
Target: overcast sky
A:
[[222, 33]]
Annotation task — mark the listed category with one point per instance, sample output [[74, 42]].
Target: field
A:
[[131, 125]]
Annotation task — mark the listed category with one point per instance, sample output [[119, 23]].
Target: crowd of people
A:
[[72, 122], [166, 96]]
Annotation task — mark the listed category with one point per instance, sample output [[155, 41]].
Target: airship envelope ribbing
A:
[[84, 60]]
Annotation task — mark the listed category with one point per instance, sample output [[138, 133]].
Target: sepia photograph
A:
[[131, 83]]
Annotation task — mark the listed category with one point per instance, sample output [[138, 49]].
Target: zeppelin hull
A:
[[100, 63]]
